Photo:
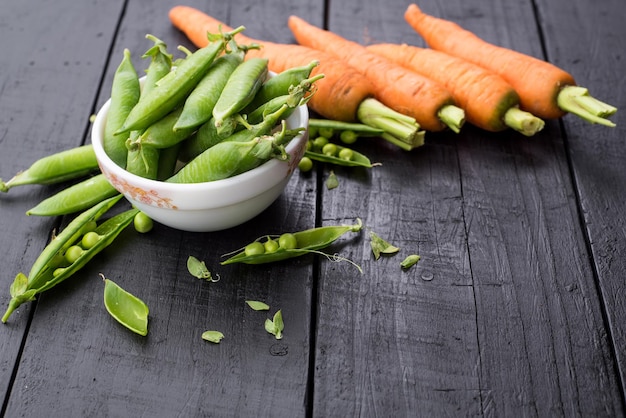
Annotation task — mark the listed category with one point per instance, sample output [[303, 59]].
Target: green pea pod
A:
[[281, 83], [168, 159], [107, 231], [208, 135], [41, 276], [161, 134], [127, 309], [307, 241], [198, 107], [227, 159], [240, 89], [125, 93], [337, 126], [298, 95], [356, 159], [172, 90], [75, 198], [56, 168], [143, 161]]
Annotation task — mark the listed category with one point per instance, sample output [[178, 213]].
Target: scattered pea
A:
[[143, 223], [305, 164]]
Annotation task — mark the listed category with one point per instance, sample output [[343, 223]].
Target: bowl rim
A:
[[301, 112]]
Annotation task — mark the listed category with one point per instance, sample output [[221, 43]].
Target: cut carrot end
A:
[[523, 122], [576, 100], [453, 117]]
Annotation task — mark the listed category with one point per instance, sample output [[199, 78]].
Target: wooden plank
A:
[[595, 58], [100, 368], [511, 210], [41, 112]]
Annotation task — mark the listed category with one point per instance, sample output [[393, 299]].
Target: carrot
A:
[[402, 90], [489, 101], [340, 94], [545, 90]]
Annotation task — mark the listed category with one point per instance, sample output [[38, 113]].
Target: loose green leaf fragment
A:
[[380, 246], [409, 261], [126, 308], [275, 326], [212, 336], [332, 181], [258, 306], [199, 269]]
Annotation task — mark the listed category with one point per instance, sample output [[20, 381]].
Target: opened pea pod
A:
[[69, 251], [339, 155], [271, 248]]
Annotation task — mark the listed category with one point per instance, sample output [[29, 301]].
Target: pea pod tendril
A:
[[301, 243]]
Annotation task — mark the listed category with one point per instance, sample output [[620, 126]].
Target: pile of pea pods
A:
[[208, 116]]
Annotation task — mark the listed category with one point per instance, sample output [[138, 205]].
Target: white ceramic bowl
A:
[[209, 206]]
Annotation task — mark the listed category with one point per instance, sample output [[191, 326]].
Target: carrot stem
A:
[[524, 122], [577, 100], [453, 117], [400, 129]]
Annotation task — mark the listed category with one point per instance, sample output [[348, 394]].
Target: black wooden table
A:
[[515, 309]]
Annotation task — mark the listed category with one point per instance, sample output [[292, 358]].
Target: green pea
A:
[[305, 164], [287, 241], [329, 149], [271, 245], [73, 253], [319, 142], [127, 309], [89, 226], [143, 223], [346, 154], [348, 137], [57, 272], [254, 248], [326, 131], [90, 239]]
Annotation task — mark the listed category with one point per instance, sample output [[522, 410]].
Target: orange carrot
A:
[[545, 90], [402, 90], [340, 95], [488, 100]]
